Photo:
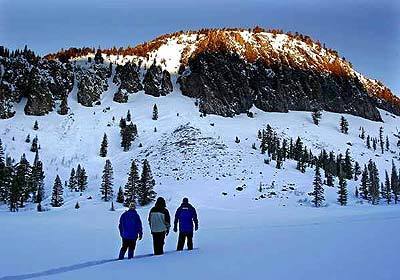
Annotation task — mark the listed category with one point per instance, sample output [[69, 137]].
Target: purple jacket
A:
[[130, 225], [186, 216]]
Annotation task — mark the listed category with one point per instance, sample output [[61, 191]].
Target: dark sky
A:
[[366, 32]]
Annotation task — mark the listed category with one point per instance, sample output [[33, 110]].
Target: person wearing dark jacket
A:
[[160, 223], [185, 216], [130, 229]]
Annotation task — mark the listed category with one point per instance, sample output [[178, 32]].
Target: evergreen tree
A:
[[2, 158], [395, 183], [364, 187], [107, 182], [155, 112], [237, 140], [357, 170], [37, 179], [112, 208], [34, 146], [57, 195], [23, 180], [98, 58], [81, 179], [362, 135], [381, 141], [36, 126], [386, 192], [342, 192], [316, 116], [28, 139], [77, 206], [387, 143], [368, 142], [356, 192], [63, 107], [330, 181], [132, 186], [374, 182], [120, 195], [374, 144], [128, 116], [344, 125], [347, 166], [147, 183], [122, 123], [104, 146], [318, 193], [73, 180]]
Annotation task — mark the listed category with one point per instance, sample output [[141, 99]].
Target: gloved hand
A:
[[196, 227], [175, 229]]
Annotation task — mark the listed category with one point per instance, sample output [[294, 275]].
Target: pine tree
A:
[[34, 146], [104, 146], [357, 170], [120, 195], [330, 181], [387, 143], [364, 186], [316, 116], [342, 192], [362, 136], [386, 193], [155, 112], [112, 208], [374, 182], [57, 195], [344, 125], [98, 58], [368, 142], [147, 183], [394, 182], [132, 186], [37, 180], [381, 141], [318, 193], [374, 144], [128, 116], [81, 179], [122, 123], [36, 126], [28, 139], [77, 206], [237, 140], [63, 107], [2, 159], [347, 166], [72, 182], [23, 180], [356, 192], [107, 182]]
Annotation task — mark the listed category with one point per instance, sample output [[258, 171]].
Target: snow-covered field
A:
[[281, 237]]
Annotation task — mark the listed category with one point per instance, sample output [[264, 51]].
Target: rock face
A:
[[128, 79], [41, 81], [91, 82], [157, 82], [227, 85]]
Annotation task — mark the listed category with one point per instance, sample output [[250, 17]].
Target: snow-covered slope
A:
[[279, 236]]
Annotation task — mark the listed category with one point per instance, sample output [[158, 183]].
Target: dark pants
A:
[[182, 238], [129, 245], [158, 242]]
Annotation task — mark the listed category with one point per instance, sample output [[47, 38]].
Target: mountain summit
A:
[[227, 70]]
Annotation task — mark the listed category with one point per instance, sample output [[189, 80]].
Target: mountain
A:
[[228, 71]]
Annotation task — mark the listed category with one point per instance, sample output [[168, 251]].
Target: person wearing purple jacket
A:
[[130, 229], [186, 217]]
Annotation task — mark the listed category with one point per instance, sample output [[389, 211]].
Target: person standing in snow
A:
[[130, 229], [160, 223], [186, 216]]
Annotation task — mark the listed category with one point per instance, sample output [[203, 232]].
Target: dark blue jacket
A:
[[130, 225], [186, 215]]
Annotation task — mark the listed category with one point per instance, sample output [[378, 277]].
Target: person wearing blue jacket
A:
[[130, 229], [186, 217]]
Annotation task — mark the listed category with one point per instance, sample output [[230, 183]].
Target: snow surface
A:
[[279, 237]]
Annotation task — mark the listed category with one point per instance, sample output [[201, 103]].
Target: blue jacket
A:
[[186, 215], [130, 225]]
